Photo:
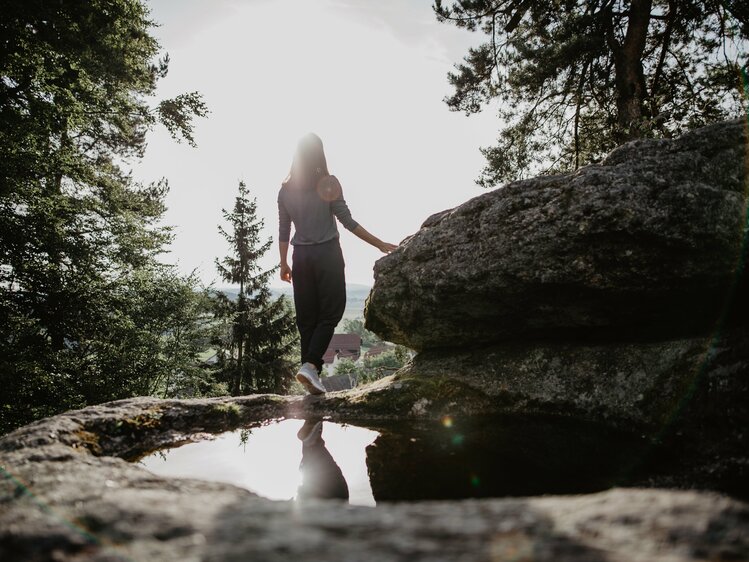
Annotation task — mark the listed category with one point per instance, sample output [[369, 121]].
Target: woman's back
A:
[[312, 214]]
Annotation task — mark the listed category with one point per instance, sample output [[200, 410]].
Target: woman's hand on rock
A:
[[386, 247]]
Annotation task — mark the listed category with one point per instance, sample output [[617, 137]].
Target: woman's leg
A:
[[321, 475], [330, 281], [305, 296]]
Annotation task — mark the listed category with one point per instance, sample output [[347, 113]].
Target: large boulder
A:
[[613, 294], [645, 245]]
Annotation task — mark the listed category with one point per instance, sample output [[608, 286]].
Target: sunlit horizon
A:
[[369, 79]]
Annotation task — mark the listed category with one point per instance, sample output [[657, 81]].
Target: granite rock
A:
[[644, 245]]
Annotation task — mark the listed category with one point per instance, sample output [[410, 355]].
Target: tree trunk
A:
[[631, 89], [238, 375], [55, 301], [240, 343]]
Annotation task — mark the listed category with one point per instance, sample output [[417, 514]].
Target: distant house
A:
[[378, 348], [342, 346]]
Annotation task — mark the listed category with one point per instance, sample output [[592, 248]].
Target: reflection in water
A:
[[412, 460], [321, 476], [499, 457], [266, 460]]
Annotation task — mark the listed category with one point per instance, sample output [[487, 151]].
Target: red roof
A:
[[344, 345]]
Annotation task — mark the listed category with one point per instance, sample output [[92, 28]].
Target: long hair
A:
[[309, 164]]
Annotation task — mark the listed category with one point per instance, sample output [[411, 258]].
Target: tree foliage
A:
[[258, 334], [371, 368], [87, 312], [356, 326], [574, 78]]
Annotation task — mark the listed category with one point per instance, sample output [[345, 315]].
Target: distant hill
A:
[[356, 294]]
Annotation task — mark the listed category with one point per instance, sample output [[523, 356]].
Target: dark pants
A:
[[319, 296]]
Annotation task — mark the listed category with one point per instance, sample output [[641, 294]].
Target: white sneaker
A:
[[307, 375]]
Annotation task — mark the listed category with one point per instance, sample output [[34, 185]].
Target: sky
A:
[[369, 77]]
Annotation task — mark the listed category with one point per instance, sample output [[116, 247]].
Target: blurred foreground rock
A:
[[66, 495]]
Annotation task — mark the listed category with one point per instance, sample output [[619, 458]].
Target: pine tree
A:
[[575, 78], [259, 334]]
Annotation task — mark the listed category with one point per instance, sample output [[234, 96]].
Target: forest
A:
[[89, 309]]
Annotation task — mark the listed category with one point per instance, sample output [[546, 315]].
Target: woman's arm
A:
[[362, 233], [284, 233], [343, 214], [283, 248]]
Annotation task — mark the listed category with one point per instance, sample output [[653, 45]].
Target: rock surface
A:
[[66, 495], [613, 294], [644, 385], [688, 395], [644, 245]]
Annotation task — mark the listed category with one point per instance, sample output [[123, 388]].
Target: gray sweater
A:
[[313, 217]]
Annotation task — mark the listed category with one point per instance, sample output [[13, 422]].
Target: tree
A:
[[259, 333], [347, 366], [575, 78], [373, 368], [86, 309], [356, 326]]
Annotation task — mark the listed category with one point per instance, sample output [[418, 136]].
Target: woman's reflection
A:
[[321, 476]]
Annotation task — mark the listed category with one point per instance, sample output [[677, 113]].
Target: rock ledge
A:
[[65, 497]]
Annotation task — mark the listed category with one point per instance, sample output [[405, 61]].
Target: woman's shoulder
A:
[[329, 188], [286, 185]]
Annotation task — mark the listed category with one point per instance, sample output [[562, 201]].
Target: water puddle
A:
[[493, 457], [266, 460]]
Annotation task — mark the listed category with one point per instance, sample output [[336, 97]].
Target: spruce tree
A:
[[259, 336]]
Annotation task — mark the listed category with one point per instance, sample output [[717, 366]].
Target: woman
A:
[[312, 199]]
